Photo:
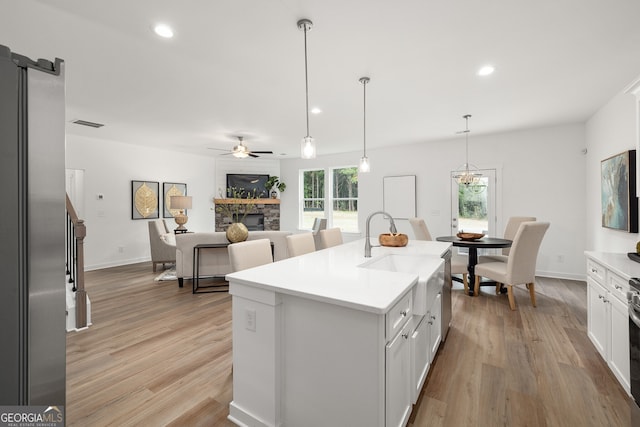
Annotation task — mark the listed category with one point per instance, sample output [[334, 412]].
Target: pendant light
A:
[[467, 174], [308, 145], [364, 160]]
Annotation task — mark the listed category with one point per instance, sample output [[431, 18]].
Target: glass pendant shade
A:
[[364, 165], [308, 148]]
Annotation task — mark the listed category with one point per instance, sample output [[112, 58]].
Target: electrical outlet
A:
[[250, 319], [121, 249]]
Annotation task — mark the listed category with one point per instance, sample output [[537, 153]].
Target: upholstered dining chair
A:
[[509, 233], [250, 253], [520, 267], [330, 237], [300, 244], [420, 230], [459, 263]]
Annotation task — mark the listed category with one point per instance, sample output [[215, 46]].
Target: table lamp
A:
[[181, 203]]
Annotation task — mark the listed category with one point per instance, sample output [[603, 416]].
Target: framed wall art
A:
[[618, 192], [144, 199], [171, 189]]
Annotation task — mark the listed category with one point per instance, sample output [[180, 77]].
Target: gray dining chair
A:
[[459, 263], [520, 267], [509, 233]]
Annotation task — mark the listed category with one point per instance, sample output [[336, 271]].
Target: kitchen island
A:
[[334, 338]]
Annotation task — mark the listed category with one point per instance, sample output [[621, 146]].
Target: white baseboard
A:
[[558, 275], [116, 263]]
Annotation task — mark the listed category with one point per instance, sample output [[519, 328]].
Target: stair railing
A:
[[75, 234]]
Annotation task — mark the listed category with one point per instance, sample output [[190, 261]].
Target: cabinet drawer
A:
[[618, 286], [398, 315], [596, 271]]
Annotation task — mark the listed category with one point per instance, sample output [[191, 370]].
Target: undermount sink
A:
[[398, 263], [428, 269]]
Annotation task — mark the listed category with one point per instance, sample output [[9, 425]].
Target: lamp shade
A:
[[180, 202]]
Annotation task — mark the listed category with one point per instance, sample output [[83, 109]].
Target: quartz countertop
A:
[[334, 275], [618, 262]]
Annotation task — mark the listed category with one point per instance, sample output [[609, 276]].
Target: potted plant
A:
[[274, 183]]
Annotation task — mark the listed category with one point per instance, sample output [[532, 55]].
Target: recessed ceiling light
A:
[[163, 30], [316, 110], [486, 70]]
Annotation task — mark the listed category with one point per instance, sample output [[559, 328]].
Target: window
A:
[[335, 198]]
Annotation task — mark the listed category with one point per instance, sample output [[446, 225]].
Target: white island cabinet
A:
[[333, 338]]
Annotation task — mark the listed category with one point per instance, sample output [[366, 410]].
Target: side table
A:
[[196, 268]]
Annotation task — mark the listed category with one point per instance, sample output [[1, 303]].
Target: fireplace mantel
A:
[[246, 201]]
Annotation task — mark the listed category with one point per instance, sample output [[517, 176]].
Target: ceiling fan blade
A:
[[219, 149], [253, 155], [262, 152]]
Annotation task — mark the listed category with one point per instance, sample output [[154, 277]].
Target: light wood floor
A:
[[158, 355]]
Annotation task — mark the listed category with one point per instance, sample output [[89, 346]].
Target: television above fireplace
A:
[[249, 182]]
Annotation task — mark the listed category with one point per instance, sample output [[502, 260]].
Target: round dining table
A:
[[473, 246]]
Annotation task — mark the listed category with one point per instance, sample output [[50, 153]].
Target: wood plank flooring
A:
[[158, 355]]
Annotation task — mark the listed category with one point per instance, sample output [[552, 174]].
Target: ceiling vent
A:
[[86, 123]]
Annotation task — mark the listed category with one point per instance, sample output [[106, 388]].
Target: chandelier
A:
[[467, 174]]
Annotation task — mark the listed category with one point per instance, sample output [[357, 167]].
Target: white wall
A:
[[542, 173], [109, 168], [610, 131]]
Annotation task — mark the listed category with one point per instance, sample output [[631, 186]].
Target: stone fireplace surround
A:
[[270, 208]]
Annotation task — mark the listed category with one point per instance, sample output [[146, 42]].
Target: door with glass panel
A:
[[473, 205]]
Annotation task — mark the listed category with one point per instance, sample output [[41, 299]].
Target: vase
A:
[[274, 194], [237, 232]]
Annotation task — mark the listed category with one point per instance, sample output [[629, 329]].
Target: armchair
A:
[[162, 242]]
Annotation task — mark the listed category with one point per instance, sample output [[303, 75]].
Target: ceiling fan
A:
[[241, 151]]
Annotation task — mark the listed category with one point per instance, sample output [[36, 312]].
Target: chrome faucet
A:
[[367, 242]]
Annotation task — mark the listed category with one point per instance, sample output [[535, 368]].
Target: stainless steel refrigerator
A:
[[32, 231]]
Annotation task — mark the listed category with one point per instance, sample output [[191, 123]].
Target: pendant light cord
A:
[[364, 109], [466, 139], [306, 78]]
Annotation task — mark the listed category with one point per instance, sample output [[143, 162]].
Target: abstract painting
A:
[[618, 192]]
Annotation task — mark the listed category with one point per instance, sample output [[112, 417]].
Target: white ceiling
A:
[[236, 67]]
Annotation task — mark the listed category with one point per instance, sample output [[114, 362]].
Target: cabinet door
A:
[[421, 361], [619, 349], [435, 319], [398, 378], [597, 318]]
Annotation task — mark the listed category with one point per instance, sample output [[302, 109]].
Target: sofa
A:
[[215, 261]]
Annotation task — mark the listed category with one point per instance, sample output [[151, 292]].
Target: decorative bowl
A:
[[395, 240], [469, 236]]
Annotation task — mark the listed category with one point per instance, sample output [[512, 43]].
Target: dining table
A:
[[473, 245]]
